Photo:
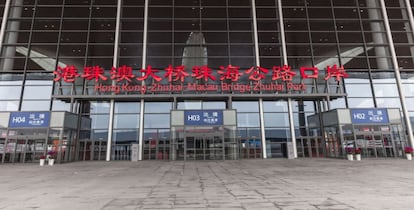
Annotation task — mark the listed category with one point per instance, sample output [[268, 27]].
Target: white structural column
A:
[[262, 128], [282, 32], [257, 56], [377, 35], [144, 63], [112, 102], [4, 22], [285, 62], [13, 27], [397, 73]]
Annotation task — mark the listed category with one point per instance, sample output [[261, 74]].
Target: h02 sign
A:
[[203, 117], [369, 116], [29, 119]]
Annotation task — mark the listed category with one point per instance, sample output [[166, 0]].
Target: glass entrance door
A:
[[375, 141], [250, 148], [26, 147], [203, 144], [375, 144]]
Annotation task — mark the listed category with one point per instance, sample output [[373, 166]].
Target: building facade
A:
[[204, 79]]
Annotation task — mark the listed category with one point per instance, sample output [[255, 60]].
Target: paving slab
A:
[[317, 183]]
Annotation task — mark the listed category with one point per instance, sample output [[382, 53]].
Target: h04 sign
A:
[[29, 119]]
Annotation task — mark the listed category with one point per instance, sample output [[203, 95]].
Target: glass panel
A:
[[100, 107], [158, 107], [360, 103], [354, 90], [58, 105], [246, 106], [37, 92], [276, 120], [125, 136], [126, 121], [189, 105], [127, 107], [277, 134], [9, 105], [100, 121], [35, 105], [156, 120], [384, 90], [10, 92], [214, 105], [275, 106], [388, 102], [248, 120]]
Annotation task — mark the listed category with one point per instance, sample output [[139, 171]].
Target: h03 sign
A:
[[203, 117]]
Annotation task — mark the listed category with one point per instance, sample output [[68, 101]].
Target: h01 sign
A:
[[29, 119], [369, 116], [203, 117]]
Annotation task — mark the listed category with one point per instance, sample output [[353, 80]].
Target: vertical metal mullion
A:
[[397, 73]]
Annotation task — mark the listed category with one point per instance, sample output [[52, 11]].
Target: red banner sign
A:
[[229, 74]]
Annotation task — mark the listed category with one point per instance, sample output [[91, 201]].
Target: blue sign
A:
[[203, 117], [369, 116], [29, 119]]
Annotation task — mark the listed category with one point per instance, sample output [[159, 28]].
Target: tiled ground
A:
[[244, 184]]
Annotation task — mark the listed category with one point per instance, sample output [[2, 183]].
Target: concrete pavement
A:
[[242, 184]]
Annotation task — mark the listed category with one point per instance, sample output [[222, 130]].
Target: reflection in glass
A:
[[127, 107], [189, 105], [125, 136], [248, 120], [214, 105], [195, 52], [100, 121], [126, 121], [157, 120], [100, 107], [157, 107], [10, 92], [275, 106], [37, 92], [276, 120], [360, 102], [388, 102], [246, 106], [35, 105]]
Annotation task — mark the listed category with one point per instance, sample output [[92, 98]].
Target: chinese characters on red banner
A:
[[178, 73]]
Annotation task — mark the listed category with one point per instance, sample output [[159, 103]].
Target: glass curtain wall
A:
[[277, 128], [268, 31], [2, 2], [125, 129], [93, 143], [43, 34], [248, 128], [157, 131], [402, 33], [185, 34]]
